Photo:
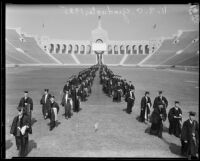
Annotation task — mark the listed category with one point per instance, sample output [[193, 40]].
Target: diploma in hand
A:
[[23, 129]]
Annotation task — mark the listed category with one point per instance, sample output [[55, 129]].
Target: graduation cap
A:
[[160, 92], [46, 90], [19, 108], [25, 91], [191, 113], [147, 92], [177, 102]]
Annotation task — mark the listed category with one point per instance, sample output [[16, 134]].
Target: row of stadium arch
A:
[[87, 49]]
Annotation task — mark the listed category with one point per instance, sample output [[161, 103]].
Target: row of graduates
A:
[[188, 132], [77, 89], [115, 86], [22, 123]]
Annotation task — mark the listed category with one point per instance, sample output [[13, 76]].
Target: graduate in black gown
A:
[[190, 137], [145, 107], [130, 99], [160, 99], [54, 113], [175, 118], [22, 138], [157, 117], [46, 103], [27, 103]]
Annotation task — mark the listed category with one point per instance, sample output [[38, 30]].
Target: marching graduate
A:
[[54, 113], [130, 99], [157, 117], [67, 104], [145, 107], [27, 103], [190, 137], [66, 87], [21, 129], [160, 99], [75, 99], [46, 103], [175, 118]]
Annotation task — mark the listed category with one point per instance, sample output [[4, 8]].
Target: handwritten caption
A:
[[124, 12]]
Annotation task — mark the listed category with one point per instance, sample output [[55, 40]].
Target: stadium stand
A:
[[29, 46], [169, 48], [188, 53], [14, 60], [12, 52], [134, 59], [64, 58], [86, 58], [112, 59]]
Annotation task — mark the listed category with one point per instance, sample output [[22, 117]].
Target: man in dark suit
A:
[[145, 107], [175, 118], [190, 137], [157, 117], [130, 99], [46, 103], [54, 113], [160, 99], [20, 128], [27, 103]]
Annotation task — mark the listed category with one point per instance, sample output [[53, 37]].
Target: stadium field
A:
[[118, 134]]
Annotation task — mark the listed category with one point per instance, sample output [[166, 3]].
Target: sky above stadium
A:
[[122, 22]]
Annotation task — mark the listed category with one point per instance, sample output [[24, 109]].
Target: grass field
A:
[[119, 134]]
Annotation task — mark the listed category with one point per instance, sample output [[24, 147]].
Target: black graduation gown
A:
[[158, 100], [157, 117], [188, 131], [130, 101], [174, 123], [21, 140], [144, 107], [46, 106], [76, 103], [27, 108]]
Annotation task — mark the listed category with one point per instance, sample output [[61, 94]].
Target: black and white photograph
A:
[[102, 80]]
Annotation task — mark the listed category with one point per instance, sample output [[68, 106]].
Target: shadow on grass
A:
[[9, 144], [33, 120], [147, 130], [138, 119], [32, 144], [165, 129], [175, 149], [57, 123]]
